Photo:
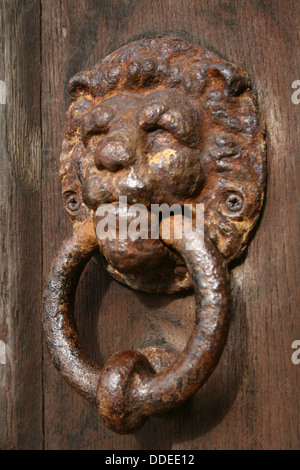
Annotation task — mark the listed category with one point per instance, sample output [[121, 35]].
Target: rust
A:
[[158, 121]]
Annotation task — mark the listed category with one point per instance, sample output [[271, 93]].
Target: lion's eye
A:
[[159, 116], [96, 122], [173, 120], [149, 116]]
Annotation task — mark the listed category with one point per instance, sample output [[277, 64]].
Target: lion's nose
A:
[[113, 155]]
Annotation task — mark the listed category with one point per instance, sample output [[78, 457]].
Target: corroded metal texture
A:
[[63, 342], [130, 387], [163, 121], [158, 121]]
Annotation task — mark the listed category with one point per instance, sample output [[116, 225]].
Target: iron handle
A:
[[127, 389]]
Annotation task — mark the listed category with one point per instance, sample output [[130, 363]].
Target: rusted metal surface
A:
[[63, 342], [129, 388], [158, 121]]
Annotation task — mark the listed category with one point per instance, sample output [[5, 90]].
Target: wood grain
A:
[[252, 400], [21, 396]]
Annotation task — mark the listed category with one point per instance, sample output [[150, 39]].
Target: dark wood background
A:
[[252, 400]]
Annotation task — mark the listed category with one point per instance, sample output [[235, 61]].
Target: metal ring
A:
[[127, 389]]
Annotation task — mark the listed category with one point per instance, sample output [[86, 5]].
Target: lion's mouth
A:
[[105, 187], [125, 221], [132, 251], [128, 237]]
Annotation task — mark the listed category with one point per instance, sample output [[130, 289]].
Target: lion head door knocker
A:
[[159, 121]]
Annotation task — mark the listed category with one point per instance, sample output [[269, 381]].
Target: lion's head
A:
[[163, 121]]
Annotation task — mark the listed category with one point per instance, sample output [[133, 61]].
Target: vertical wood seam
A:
[[41, 222]]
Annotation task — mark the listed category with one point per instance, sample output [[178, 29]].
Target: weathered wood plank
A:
[[252, 399], [21, 397]]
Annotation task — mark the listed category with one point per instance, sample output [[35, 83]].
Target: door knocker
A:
[[159, 121]]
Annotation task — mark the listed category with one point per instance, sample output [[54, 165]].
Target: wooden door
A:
[[252, 400]]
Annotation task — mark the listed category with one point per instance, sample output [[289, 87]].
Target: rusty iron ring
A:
[[127, 389]]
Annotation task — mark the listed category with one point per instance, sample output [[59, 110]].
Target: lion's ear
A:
[[79, 84]]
